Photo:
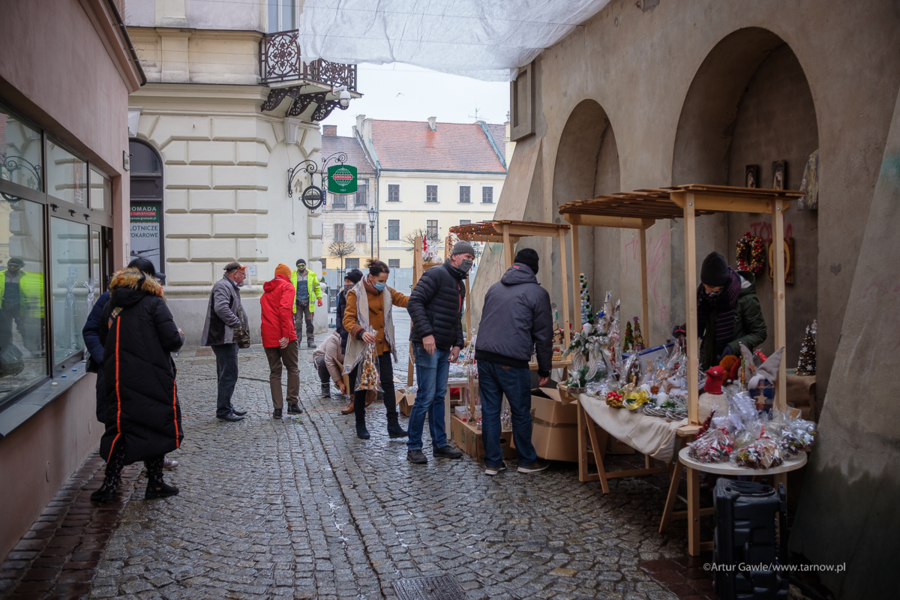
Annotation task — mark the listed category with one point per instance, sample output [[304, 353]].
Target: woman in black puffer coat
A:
[[143, 417]]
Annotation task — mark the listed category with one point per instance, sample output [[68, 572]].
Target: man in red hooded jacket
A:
[[278, 336]]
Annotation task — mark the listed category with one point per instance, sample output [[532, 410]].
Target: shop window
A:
[[22, 312], [66, 175], [20, 152], [351, 263], [360, 232], [393, 230], [431, 193], [339, 232], [431, 229], [393, 263], [465, 221], [465, 194], [362, 193], [69, 275], [487, 195], [394, 192], [101, 191]]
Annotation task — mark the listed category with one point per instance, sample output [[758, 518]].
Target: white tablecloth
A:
[[648, 435]]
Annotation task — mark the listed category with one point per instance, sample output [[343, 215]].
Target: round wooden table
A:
[[729, 469]]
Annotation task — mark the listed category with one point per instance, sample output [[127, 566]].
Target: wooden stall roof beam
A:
[[645, 289], [690, 267], [507, 248], [780, 325]]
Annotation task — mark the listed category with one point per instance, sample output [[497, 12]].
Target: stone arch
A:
[[587, 165], [750, 104]]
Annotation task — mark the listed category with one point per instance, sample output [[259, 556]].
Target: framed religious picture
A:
[[810, 184], [752, 176], [779, 175]]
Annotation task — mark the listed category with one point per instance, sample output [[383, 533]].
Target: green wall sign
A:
[[342, 179]]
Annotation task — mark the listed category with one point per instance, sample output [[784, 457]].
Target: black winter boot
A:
[[361, 431], [394, 429], [326, 390]]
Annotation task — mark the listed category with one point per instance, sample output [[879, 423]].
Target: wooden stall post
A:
[[576, 282], [690, 292], [507, 248], [778, 287], [645, 293], [565, 285]]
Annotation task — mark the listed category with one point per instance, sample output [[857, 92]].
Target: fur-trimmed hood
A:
[[128, 286]]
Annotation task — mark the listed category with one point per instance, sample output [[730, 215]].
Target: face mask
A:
[[466, 265], [379, 286]]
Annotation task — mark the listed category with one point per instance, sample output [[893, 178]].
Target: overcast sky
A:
[[404, 92]]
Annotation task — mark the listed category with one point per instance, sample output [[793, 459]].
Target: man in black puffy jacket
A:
[[435, 307], [516, 322]]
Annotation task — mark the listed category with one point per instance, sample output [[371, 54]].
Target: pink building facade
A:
[[66, 70]]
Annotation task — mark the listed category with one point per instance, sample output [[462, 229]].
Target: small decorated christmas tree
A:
[[807, 364], [587, 311], [628, 342], [638, 337]]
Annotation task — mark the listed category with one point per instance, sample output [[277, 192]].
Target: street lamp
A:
[[372, 231]]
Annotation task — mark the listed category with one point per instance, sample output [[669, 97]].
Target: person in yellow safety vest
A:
[[22, 301], [303, 305]]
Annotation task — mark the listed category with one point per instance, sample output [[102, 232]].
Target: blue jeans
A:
[[227, 371], [494, 380], [432, 371]]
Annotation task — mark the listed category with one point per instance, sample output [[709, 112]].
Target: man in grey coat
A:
[[224, 314], [516, 322]]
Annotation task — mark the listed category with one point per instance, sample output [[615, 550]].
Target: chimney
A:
[[432, 123], [329, 130]]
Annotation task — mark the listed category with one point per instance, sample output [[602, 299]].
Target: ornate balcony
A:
[[279, 60]]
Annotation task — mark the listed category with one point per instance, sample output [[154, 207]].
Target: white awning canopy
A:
[[485, 39]]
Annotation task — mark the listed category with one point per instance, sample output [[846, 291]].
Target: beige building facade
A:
[[228, 121], [432, 176]]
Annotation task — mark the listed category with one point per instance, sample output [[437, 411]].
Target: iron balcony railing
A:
[[279, 60]]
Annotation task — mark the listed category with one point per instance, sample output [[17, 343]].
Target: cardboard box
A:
[[468, 439], [405, 402], [554, 428], [614, 446]]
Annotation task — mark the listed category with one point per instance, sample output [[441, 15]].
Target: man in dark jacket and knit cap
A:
[[728, 311], [435, 308], [516, 322]]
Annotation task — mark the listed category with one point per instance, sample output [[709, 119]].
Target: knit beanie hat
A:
[[529, 258], [283, 269], [354, 275], [715, 271], [462, 247], [301, 261]]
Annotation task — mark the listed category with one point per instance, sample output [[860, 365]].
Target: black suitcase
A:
[[747, 544]]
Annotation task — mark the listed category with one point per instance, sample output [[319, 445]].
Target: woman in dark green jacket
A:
[[728, 311]]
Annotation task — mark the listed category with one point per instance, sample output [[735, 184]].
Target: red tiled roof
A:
[[454, 147], [356, 156], [498, 132]]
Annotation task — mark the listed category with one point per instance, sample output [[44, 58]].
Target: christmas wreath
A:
[[750, 254]]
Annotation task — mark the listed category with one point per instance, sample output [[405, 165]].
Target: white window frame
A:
[[493, 199], [279, 14], [437, 226], [399, 230], [459, 193], [437, 192], [387, 191]]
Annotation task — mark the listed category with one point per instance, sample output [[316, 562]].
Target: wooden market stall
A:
[[509, 233], [640, 210]]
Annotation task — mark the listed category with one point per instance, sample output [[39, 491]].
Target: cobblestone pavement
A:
[[301, 508]]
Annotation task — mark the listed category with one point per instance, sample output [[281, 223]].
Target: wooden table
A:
[[694, 468]]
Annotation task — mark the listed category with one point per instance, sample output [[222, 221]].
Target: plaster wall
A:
[[640, 66], [199, 14], [38, 457]]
